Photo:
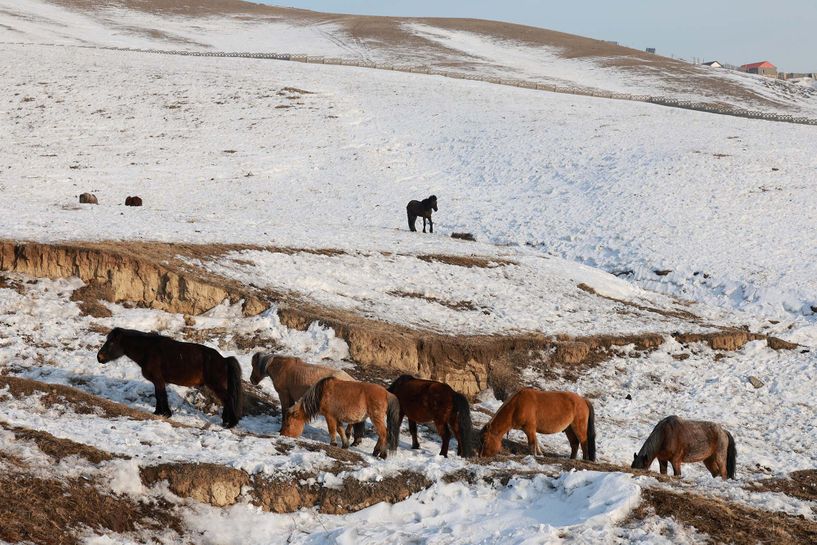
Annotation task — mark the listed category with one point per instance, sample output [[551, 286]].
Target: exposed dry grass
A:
[[799, 484], [453, 305], [725, 522], [77, 400], [58, 448], [55, 512]]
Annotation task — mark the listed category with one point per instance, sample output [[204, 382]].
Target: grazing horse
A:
[[292, 377], [166, 361], [428, 400], [342, 401], [423, 209], [675, 440], [534, 411]]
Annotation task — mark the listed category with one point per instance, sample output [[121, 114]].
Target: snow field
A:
[[628, 188]]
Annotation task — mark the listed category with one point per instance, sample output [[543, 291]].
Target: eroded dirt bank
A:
[[161, 276]]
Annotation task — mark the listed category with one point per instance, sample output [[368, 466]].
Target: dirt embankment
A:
[[160, 275]]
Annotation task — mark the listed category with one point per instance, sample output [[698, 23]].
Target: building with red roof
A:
[[763, 68]]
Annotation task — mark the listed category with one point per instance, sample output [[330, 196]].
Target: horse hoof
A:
[[356, 443], [415, 447]]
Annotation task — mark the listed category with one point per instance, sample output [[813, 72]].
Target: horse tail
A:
[[235, 393], [359, 429], [411, 217], [393, 421], [311, 400], [463, 412], [731, 457], [591, 432]]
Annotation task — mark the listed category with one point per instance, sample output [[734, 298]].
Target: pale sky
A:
[[734, 31]]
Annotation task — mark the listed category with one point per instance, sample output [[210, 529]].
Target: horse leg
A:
[[711, 464], [445, 434], [285, 405], [380, 448], [533, 444], [676, 467], [454, 426], [162, 406], [430, 224], [573, 439], [662, 464], [415, 443], [424, 224], [344, 437], [331, 425], [228, 419]]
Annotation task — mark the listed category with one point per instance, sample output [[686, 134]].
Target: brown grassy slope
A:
[[388, 35]]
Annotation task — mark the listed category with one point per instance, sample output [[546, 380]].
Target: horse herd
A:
[[307, 390]]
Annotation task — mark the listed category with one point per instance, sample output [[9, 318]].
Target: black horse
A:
[[421, 208], [167, 361]]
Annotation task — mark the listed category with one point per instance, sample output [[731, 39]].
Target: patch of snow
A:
[[586, 504]]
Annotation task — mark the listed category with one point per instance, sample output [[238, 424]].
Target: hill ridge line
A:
[[719, 109]]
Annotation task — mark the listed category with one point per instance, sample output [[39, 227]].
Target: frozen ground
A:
[[306, 156], [412, 42], [48, 339], [629, 188]]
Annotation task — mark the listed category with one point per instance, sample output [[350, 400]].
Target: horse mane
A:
[[311, 401], [399, 381], [498, 411], [261, 360], [653, 442], [429, 199], [136, 333]]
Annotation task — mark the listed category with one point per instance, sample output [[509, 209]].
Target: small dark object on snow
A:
[[422, 209], [662, 272], [629, 397], [133, 201], [88, 198], [464, 236]]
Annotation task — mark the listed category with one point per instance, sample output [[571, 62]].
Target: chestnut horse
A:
[[535, 411], [166, 361], [292, 377], [415, 209], [342, 401], [428, 400], [675, 440]]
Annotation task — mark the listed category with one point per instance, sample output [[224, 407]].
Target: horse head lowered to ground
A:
[[675, 440], [534, 411], [431, 401], [341, 401]]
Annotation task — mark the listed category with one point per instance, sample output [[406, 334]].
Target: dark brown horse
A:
[[431, 401], [534, 411], [675, 440], [423, 209], [167, 361]]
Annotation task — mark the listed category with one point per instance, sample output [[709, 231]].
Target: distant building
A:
[[651, 50], [713, 64], [764, 68]]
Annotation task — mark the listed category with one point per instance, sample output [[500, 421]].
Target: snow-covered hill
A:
[[669, 220], [471, 47]]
